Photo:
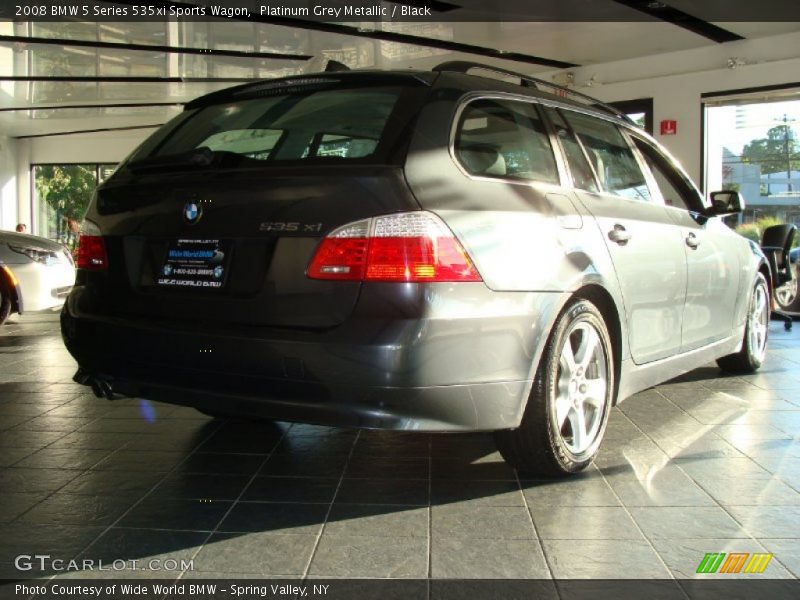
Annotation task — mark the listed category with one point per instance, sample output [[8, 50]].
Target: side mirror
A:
[[725, 203]]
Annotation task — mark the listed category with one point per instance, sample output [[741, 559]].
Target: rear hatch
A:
[[215, 219]]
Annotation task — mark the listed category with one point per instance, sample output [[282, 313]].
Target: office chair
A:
[[776, 243]]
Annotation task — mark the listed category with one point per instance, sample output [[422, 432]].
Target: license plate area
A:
[[193, 264]]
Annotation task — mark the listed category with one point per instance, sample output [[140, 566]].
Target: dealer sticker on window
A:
[[195, 264]]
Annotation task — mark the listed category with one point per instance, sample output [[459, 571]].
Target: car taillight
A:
[[92, 253], [407, 247], [91, 248]]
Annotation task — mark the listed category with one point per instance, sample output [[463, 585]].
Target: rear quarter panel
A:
[[522, 237]]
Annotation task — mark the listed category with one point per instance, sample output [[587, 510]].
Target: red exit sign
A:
[[669, 127]]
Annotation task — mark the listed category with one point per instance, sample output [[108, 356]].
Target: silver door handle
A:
[[692, 241], [619, 235]]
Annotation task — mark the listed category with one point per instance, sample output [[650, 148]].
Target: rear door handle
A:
[[619, 235], [692, 241]]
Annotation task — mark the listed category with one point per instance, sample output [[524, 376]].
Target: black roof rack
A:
[[463, 66]]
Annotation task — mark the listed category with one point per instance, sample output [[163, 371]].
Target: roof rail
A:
[[463, 66]]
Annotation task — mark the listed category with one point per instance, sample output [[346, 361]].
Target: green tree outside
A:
[[777, 152], [67, 190]]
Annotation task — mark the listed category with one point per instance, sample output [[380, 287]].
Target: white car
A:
[[35, 273]]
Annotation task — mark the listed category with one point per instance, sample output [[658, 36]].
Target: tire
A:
[[545, 444], [5, 304], [756, 332]]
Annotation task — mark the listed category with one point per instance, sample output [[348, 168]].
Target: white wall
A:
[[676, 81], [8, 189]]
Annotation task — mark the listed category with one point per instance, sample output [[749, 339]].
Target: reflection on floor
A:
[[706, 463]]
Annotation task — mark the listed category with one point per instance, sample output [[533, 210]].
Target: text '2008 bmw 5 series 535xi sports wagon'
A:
[[429, 251]]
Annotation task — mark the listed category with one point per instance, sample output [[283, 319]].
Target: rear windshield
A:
[[361, 124]]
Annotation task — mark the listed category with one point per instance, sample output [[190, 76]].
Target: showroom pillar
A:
[[8, 185]]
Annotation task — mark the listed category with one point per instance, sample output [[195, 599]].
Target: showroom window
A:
[[640, 111], [60, 197], [507, 139], [752, 145]]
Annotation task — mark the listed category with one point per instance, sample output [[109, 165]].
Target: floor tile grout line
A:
[[694, 481], [236, 501], [138, 502], [743, 454], [643, 534], [305, 574], [535, 529], [54, 492]]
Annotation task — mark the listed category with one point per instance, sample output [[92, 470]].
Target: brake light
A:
[[92, 253], [407, 247]]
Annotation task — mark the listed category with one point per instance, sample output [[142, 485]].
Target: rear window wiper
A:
[[198, 158]]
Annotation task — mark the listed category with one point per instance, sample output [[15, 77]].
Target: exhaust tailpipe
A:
[[101, 386]]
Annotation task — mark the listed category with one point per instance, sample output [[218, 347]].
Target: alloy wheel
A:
[[758, 322], [582, 388], [786, 294]]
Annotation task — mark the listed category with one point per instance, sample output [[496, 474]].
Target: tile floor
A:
[[706, 463]]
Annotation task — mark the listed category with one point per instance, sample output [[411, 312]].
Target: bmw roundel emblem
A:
[[192, 212]]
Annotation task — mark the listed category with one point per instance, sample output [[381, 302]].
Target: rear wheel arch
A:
[[542, 444]]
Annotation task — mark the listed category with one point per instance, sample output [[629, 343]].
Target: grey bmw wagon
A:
[[427, 251]]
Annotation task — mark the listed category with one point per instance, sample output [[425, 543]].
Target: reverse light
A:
[[91, 248], [404, 247]]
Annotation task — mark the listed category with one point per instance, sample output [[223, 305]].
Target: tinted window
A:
[[674, 190], [507, 139], [582, 175], [300, 125], [612, 158]]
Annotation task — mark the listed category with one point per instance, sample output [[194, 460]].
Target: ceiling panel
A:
[[583, 43]]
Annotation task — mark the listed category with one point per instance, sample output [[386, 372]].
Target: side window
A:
[[505, 139], [613, 159], [582, 175], [674, 190]]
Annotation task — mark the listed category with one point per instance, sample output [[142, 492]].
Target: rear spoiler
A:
[[327, 79]]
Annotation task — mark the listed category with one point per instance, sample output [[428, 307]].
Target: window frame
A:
[[464, 101], [563, 153], [698, 203], [629, 132], [625, 131]]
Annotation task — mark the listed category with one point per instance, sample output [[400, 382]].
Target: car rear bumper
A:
[[450, 371], [472, 407]]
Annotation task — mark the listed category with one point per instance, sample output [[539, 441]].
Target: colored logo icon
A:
[[192, 212], [734, 562]]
